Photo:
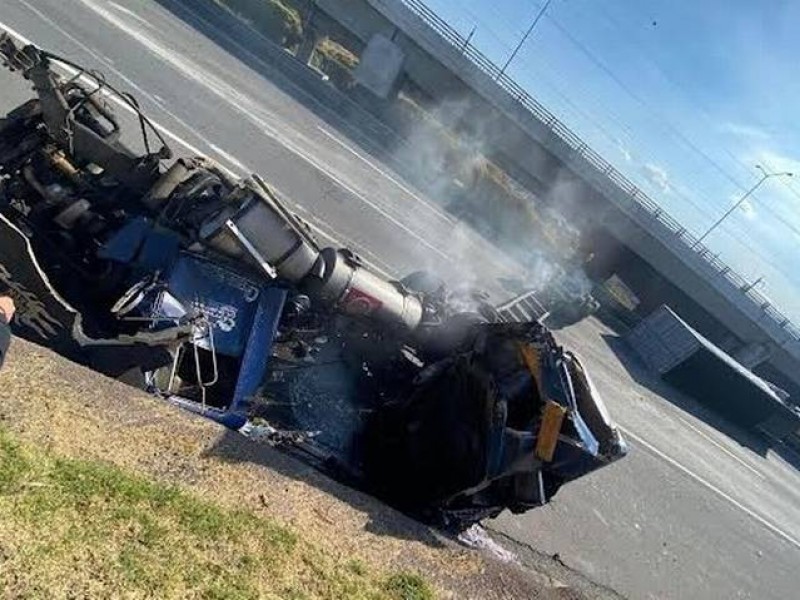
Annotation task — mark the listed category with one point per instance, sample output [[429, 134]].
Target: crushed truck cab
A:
[[208, 291]]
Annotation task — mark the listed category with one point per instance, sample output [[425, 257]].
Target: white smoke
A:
[[447, 163]]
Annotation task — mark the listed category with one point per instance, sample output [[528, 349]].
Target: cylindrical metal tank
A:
[[353, 290], [260, 231]]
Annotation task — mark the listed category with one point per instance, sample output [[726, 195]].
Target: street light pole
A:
[[749, 286], [539, 15], [469, 38], [741, 200]]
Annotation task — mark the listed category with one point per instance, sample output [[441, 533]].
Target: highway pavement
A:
[[694, 511], [216, 104], [690, 513]]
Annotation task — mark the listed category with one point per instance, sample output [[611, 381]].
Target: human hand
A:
[[7, 308]]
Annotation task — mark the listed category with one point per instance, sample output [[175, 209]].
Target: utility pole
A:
[[741, 200], [749, 286], [539, 15], [469, 39]]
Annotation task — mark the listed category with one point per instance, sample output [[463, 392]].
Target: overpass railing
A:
[[640, 199]]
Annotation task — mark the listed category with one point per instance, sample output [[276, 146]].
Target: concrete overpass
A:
[[536, 148]]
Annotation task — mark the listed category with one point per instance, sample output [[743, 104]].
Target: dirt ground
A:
[[73, 412]]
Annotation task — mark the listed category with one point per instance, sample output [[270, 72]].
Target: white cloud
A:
[[623, 150], [748, 210], [657, 176], [777, 161], [746, 131]]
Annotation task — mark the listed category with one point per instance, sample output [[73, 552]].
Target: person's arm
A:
[[6, 314]]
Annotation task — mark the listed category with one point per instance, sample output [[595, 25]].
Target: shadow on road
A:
[[383, 520], [644, 377], [615, 321]]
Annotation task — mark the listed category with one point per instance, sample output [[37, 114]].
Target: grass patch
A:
[[335, 52], [279, 20], [73, 528], [407, 586]]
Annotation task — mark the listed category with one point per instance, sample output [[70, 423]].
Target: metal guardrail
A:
[[640, 200], [523, 308]]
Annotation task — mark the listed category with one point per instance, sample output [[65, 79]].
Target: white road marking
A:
[[156, 99], [15, 34], [353, 191], [74, 40], [243, 168], [773, 528], [599, 517], [432, 208], [239, 101], [330, 234], [130, 13], [219, 154], [720, 446]]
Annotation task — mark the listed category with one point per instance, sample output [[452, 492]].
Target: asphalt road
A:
[[216, 104], [691, 513]]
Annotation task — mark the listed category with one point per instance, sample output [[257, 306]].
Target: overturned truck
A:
[[210, 293]]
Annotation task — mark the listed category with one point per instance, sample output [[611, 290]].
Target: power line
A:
[[702, 109], [626, 88], [564, 98], [683, 138], [672, 81], [594, 122], [690, 200], [601, 65], [597, 62], [591, 120], [501, 39], [664, 122], [660, 117], [794, 228], [530, 29], [615, 139], [766, 176], [766, 260]]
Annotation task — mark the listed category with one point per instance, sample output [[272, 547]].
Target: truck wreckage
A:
[[209, 292]]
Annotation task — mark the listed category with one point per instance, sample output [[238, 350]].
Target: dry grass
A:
[[335, 52], [57, 411], [279, 20], [76, 528]]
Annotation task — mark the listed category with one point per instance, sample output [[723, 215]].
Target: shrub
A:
[[276, 19]]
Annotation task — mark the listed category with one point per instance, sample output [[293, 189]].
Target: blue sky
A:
[[682, 96]]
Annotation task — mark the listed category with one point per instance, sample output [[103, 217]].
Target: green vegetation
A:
[[405, 586], [72, 528], [334, 60], [282, 21], [279, 20], [334, 52]]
